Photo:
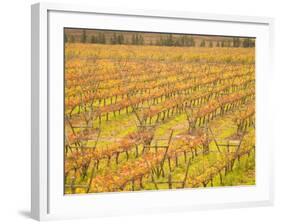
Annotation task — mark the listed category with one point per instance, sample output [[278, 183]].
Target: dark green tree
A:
[[72, 39], [133, 39], [192, 42], [83, 37], [114, 39], [120, 39], [65, 38], [161, 41], [141, 40], [93, 39], [203, 43], [182, 41], [136, 39], [252, 43], [170, 41], [236, 42], [246, 42], [101, 38]]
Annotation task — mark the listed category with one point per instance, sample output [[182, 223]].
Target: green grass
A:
[[243, 172]]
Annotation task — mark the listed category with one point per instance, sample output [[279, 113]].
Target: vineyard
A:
[[157, 117]]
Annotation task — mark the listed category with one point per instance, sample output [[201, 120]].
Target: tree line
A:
[[167, 40]]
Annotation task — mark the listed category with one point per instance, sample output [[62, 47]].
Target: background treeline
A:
[[134, 38]]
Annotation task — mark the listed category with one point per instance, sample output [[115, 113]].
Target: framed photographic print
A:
[[139, 111]]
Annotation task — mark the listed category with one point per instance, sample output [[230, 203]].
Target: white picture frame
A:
[[47, 200]]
